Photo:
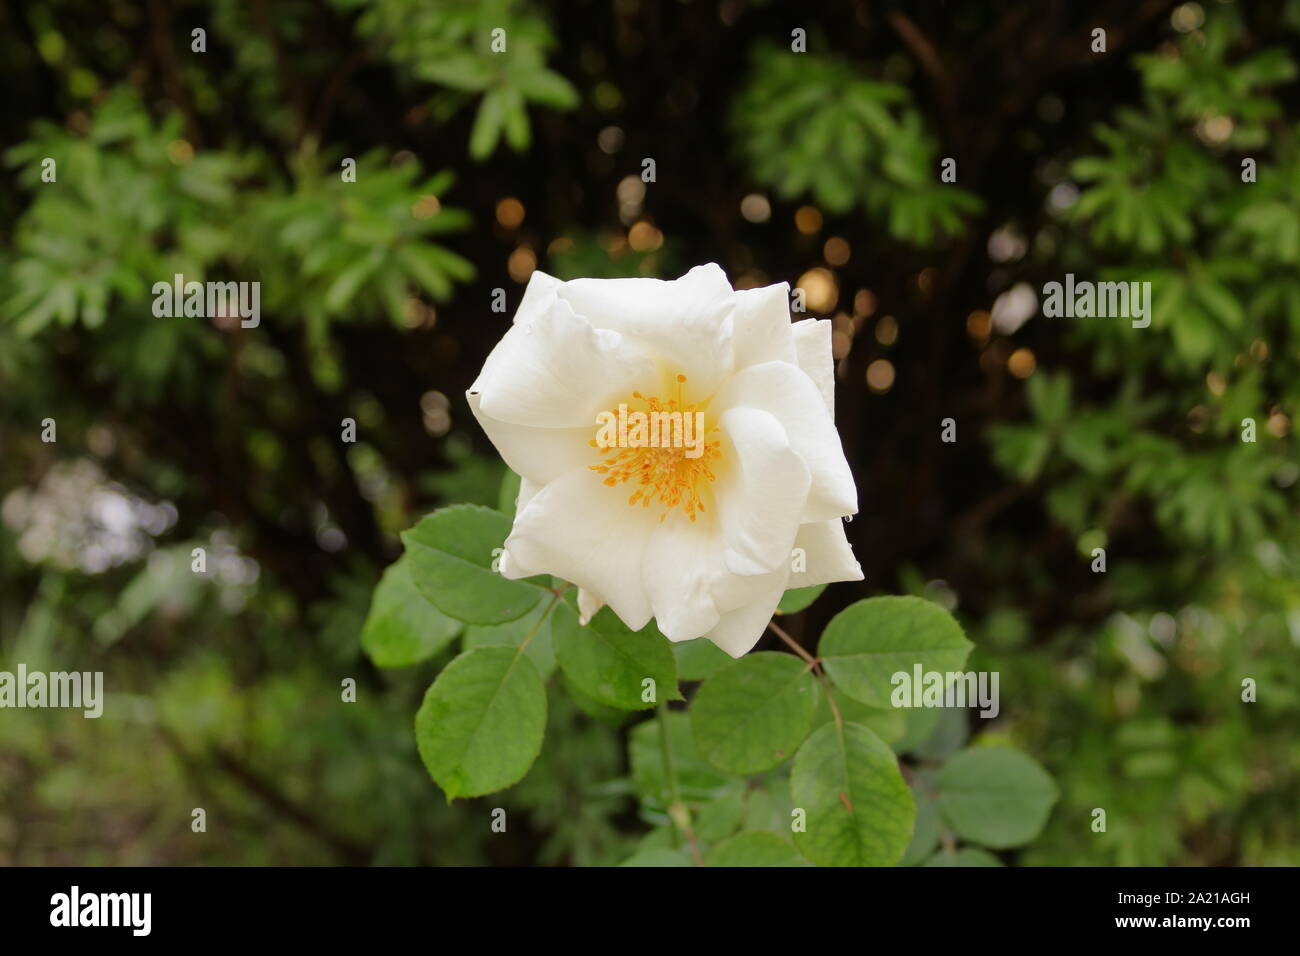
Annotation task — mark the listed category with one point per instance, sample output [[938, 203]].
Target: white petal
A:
[[588, 605], [687, 322], [579, 529], [812, 343], [527, 490], [537, 454], [738, 631], [556, 371], [632, 305], [762, 492], [827, 555], [762, 326], [736, 591], [682, 561], [539, 296], [789, 394]]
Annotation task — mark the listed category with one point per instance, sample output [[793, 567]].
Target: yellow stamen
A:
[[667, 474]]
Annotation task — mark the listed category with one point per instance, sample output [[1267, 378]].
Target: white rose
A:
[[702, 537]]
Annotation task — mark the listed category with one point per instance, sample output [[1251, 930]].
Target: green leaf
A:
[[699, 659], [540, 650], [550, 89], [767, 804], [451, 553], [659, 856], [723, 816], [752, 715], [859, 810], [926, 833], [754, 848], [426, 269], [1194, 336], [518, 133], [868, 642], [1049, 396], [344, 288], [608, 662], [1220, 303], [481, 724], [590, 706], [1084, 442], [403, 628], [919, 725], [1020, 449], [488, 124], [950, 733], [696, 780], [996, 796], [796, 599], [887, 723]]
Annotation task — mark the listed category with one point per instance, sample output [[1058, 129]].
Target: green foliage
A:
[[870, 641], [358, 248], [699, 659], [753, 714], [797, 599], [535, 627], [136, 204], [995, 796], [481, 724], [83, 251], [812, 124], [451, 44], [860, 812], [1199, 81], [754, 848], [609, 663], [403, 628], [452, 553], [1220, 255], [669, 769], [704, 774]]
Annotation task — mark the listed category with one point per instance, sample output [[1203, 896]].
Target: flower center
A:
[[665, 448]]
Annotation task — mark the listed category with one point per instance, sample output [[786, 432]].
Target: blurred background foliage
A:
[[475, 167]]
